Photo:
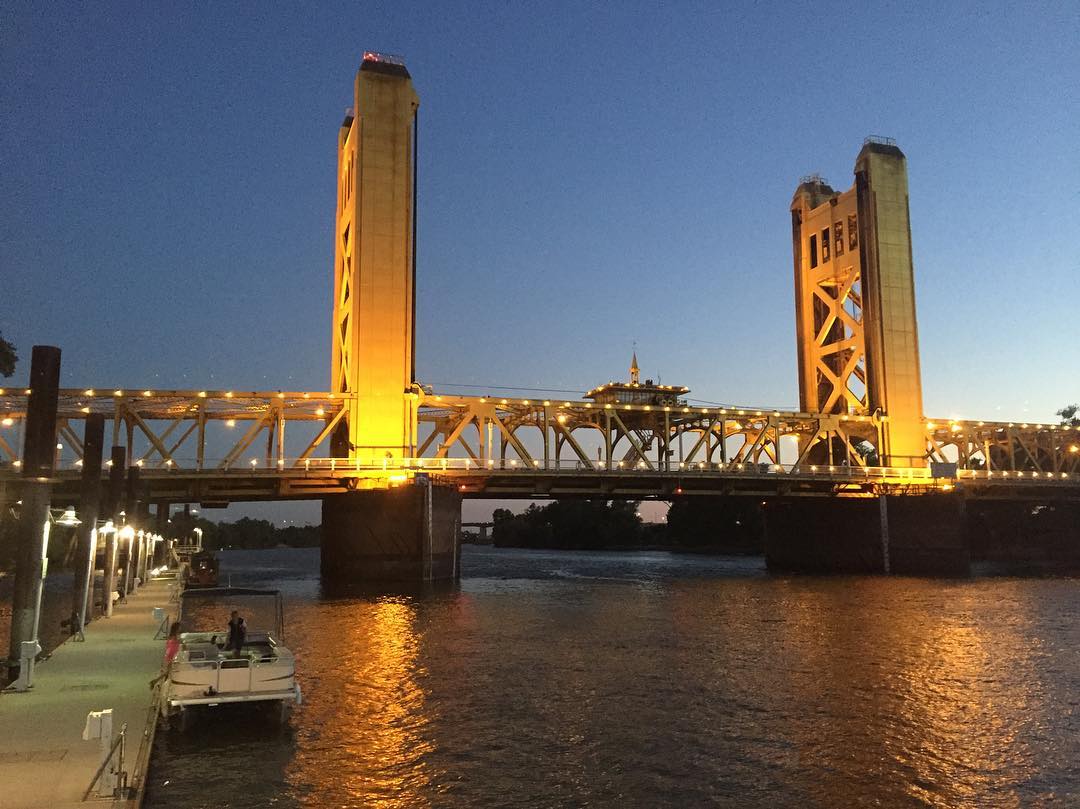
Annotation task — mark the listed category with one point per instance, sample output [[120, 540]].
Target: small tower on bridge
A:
[[856, 331], [375, 265]]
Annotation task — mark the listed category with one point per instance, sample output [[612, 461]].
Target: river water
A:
[[552, 679]]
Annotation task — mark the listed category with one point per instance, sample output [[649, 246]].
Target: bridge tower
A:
[[384, 531], [375, 265], [857, 336]]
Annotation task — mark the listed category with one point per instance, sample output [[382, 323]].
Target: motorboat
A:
[[202, 571], [205, 673]]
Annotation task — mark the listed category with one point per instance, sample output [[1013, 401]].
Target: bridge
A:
[[857, 472]]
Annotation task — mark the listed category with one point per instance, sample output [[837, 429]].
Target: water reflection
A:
[[564, 680], [362, 676]]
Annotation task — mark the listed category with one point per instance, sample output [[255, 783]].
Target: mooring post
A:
[[112, 509], [89, 502], [39, 454]]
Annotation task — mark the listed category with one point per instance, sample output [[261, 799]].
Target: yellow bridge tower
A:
[[857, 337], [375, 265]]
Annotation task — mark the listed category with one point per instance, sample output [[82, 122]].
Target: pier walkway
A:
[[44, 761]]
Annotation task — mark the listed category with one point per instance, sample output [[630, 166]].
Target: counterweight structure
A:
[[375, 266], [858, 344]]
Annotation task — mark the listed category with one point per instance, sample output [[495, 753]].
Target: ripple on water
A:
[[563, 679]]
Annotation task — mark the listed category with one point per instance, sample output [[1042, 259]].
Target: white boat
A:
[[205, 673]]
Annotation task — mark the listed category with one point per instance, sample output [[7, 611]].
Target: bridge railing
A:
[[405, 468]]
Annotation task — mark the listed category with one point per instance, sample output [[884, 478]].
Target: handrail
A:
[[122, 774]]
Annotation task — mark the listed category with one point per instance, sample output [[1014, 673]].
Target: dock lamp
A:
[[30, 649], [127, 534], [198, 535], [100, 527]]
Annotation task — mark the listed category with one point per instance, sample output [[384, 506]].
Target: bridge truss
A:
[[275, 444]]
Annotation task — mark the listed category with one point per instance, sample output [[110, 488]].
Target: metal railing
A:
[[120, 745], [390, 467]]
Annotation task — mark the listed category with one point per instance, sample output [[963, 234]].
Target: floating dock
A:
[[44, 761]]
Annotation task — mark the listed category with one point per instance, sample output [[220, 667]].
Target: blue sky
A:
[[589, 176]]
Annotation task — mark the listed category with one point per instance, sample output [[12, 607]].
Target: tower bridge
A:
[[392, 459]]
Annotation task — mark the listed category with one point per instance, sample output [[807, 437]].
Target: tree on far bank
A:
[[8, 357], [1069, 417]]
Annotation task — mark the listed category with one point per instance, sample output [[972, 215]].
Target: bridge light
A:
[[118, 393], [929, 425], [566, 404], [85, 410], [228, 394], [546, 403], [202, 394], [281, 395], [230, 423], [146, 393], [1073, 448], [678, 490], [319, 411], [7, 422], [19, 463], [89, 392], [482, 400], [139, 462], [561, 418], [254, 462], [813, 468]]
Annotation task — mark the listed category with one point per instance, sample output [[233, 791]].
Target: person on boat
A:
[[172, 648], [237, 633]]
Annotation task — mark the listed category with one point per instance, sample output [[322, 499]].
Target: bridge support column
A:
[[920, 535], [405, 534]]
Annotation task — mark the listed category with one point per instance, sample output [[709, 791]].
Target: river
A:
[[550, 679]]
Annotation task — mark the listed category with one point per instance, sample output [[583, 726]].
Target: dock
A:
[[44, 761]]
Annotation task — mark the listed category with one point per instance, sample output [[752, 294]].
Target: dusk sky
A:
[[588, 178]]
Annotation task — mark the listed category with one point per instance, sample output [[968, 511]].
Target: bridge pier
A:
[[922, 535], [404, 534]]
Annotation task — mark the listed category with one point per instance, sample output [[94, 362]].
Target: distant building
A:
[[637, 392]]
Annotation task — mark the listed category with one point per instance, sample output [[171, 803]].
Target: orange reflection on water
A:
[[377, 709]]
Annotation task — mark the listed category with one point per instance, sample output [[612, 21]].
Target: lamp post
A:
[[127, 534], [29, 649], [198, 538]]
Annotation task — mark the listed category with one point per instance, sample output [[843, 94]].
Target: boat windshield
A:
[[209, 610]]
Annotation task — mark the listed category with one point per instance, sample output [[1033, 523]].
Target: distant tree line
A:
[[245, 533], [718, 524]]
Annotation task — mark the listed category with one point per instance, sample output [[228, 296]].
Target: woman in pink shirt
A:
[[172, 647]]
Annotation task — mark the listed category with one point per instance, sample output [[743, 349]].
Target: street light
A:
[[30, 649], [198, 535], [127, 533]]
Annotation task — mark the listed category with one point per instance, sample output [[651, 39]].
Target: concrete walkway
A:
[[43, 760]]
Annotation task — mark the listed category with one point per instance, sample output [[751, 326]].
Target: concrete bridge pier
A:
[[408, 534], [922, 535]]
